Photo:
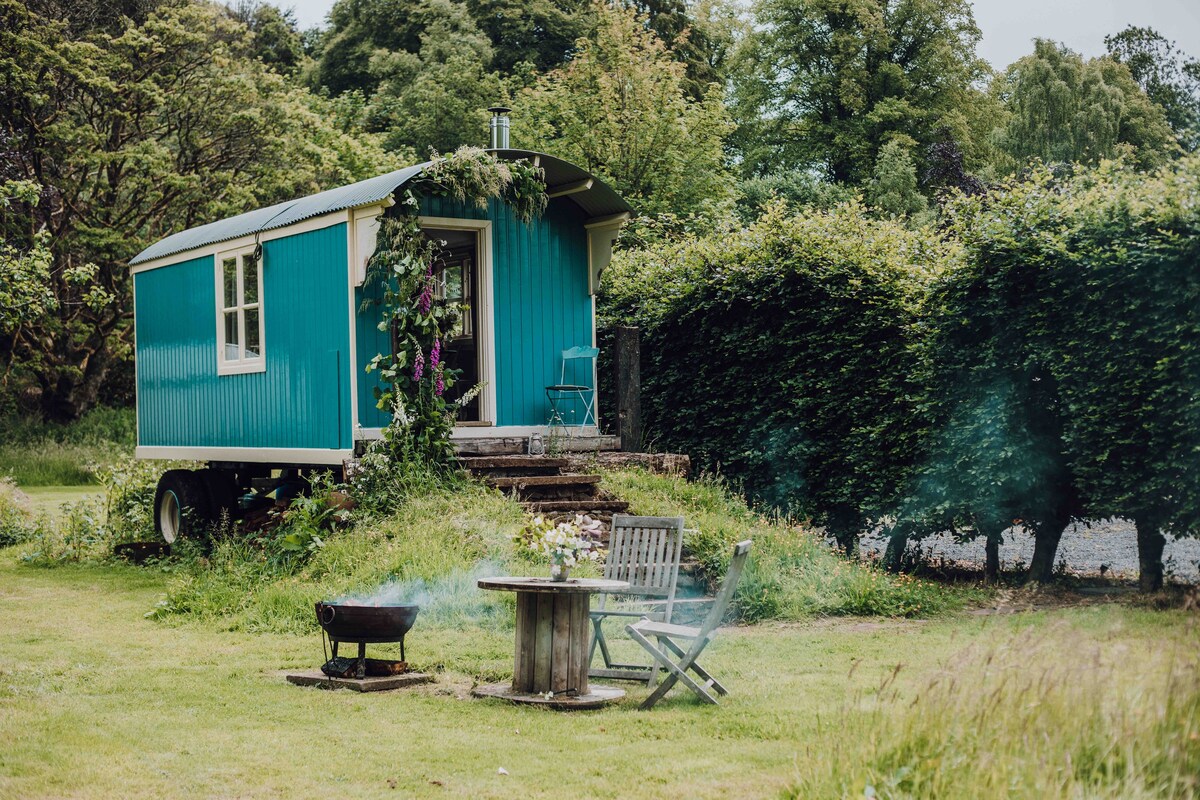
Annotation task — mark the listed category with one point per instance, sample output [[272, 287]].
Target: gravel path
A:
[[1085, 548]]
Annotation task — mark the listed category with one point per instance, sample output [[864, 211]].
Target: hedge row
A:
[[1036, 359]]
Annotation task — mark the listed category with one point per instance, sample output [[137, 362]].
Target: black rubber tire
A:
[[221, 486], [185, 489]]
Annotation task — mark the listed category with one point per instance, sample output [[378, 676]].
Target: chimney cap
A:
[[498, 110]]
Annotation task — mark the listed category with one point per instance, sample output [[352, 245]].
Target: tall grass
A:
[[1048, 714], [431, 549], [37, 453], [792, 574]]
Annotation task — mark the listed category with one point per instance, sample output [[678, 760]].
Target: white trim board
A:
[[254, 455]]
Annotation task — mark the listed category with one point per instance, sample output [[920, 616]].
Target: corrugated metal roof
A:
[[598, 201]]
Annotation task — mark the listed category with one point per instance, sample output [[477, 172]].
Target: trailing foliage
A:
[[402, 273]]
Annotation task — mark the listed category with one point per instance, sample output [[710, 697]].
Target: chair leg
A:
[[696, 668], [677, 672], [599, 640]]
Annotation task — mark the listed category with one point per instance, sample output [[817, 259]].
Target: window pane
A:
[[249, 282], [232, 352], [252, 337], [229, 267]]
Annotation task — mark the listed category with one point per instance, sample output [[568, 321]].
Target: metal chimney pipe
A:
[[499, 139]]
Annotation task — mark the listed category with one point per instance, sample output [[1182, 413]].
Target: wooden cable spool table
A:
[[550, 665]]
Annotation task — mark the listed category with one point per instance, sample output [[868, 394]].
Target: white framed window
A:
[[239, 313]]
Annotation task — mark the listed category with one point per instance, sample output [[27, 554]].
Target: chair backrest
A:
[[741, 551], [645, 552], [573, 354]]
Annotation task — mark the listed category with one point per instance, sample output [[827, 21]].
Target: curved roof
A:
[[596, 200]]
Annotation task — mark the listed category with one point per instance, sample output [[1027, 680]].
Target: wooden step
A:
[[512, 466], [529, 481], [578, 506], [510, 462]]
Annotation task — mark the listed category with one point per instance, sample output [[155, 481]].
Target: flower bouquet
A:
[[565, 544]]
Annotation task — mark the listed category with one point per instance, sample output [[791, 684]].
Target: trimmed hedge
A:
[[1036, 360]]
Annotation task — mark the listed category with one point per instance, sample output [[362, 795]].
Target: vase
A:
[[559, 572]]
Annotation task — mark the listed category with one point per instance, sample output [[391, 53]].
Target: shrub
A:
[[17, 522], [783, 355]]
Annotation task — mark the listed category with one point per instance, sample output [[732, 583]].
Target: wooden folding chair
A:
[[644, 551], [668, 649]]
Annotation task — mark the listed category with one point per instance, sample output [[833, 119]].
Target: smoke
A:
[[454, 598]]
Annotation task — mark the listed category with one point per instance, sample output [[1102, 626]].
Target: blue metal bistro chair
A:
[[563, 396]]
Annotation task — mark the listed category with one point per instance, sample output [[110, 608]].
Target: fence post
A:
[[627, 361]]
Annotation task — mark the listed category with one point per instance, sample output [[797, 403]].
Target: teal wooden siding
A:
[[541, 307], [302, 400]]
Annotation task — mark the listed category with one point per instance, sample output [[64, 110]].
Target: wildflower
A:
[[435, 355], [418, 365]]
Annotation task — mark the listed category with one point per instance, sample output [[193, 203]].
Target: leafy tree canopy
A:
[[1169, 77], [1065, 109], [826, 84], [132, 135], [620, 108]]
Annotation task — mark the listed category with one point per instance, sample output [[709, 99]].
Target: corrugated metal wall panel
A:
[[540, 302], [302, 398]]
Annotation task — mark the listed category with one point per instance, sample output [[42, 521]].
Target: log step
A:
[[579, 506], [541, 481], [511, 462]]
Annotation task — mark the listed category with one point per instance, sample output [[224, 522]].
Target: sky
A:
[[1009, 26]]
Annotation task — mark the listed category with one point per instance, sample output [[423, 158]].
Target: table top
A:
[[577, 585]]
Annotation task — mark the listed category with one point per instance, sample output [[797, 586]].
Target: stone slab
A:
[[314, 677], [597, 697]]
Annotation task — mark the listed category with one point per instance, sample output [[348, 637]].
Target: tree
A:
[[358, 31], [540, 33], [135, 134], [825, 84], [893, 188], [436, 98], [1169, 77], [620, 109], [1066, 110], [1128, 300], [277, 41]]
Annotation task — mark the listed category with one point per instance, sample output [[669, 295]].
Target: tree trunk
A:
[[893, 556], [991, 567], [1045, 548], [1150, 550]]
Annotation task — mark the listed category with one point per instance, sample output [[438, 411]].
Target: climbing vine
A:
[[415, 378]]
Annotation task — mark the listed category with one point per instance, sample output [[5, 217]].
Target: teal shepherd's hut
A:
[[252, 341]]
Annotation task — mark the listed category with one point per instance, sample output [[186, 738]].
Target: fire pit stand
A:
[[362, 625]]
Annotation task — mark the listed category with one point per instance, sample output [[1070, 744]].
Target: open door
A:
[[456, 270]]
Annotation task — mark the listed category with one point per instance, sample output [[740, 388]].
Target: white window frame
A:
[[242, 365]]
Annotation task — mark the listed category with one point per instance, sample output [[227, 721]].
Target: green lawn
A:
[[50, 499], [98, 701]]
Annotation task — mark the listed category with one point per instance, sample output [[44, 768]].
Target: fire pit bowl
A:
[[366, 624], [363, 625]]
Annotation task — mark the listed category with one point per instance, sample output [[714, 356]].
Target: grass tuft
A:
[[36, 453]]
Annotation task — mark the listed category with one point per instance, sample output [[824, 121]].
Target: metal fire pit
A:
[[365, 625]]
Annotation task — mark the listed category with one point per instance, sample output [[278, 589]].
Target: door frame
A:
[[485, 337]]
